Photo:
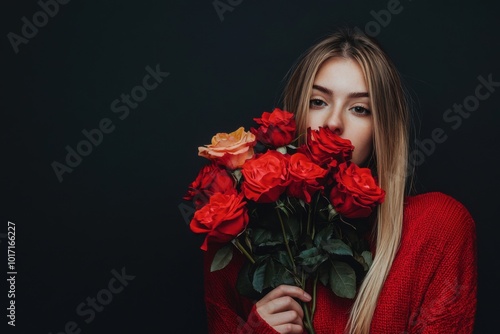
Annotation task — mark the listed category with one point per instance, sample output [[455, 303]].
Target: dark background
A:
[[120, 208]]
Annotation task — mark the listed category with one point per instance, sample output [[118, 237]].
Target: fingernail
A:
[[308, 296]]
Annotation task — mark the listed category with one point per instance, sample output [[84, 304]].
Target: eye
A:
[[315, 103], [360, 110]]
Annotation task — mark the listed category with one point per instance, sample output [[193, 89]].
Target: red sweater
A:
[[431, 287]]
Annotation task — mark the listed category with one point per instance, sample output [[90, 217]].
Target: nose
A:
[[335, 122]]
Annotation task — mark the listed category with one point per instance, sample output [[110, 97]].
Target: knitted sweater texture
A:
[[431, 287]]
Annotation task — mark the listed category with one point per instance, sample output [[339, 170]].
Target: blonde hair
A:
[[390, 147]]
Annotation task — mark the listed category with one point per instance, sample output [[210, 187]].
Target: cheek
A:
[[313, 121], [363, 144], [361, 153]]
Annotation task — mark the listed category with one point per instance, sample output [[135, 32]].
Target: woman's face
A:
[[340, 100]]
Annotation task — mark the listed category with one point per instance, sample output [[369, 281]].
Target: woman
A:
[[423, 277]]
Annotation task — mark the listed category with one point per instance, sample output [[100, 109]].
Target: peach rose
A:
[[230, 149]]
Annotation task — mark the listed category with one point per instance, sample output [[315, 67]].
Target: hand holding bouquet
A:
[[296, 212]]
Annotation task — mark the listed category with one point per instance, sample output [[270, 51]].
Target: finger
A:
[[281, 311], [283, 304], [289, 329], [282, 318], [286, 290], [294, 317]]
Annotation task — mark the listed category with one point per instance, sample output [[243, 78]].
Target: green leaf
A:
[[283, 258], [314, 262], [342, 280], [324, 277], [322, 236], [271, 271], [258, 277], [294, 227], [311, 259], [337, 246], [264, 237], [361, 261], [367, 256], [244, 283], [222, 258], [264, 275], [283, 276]]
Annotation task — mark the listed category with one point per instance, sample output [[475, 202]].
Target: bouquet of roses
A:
[[297, 212]]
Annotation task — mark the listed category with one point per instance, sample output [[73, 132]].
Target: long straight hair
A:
[[390, 147]]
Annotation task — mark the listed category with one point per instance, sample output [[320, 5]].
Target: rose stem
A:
[[242, 249]]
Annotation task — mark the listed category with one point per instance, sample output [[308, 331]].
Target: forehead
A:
[[340, 75]]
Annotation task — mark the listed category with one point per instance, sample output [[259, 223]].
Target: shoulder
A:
[[438, 216], [434, 200], [435, 205]]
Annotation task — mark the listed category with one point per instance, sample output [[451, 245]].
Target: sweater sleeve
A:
[[449, 302], [227, 311]]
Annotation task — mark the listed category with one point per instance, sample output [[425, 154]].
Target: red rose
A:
[[210, 180], [265, 177], [223, 218], [306, 177], [276, 129], [326, 148], [356, 192]]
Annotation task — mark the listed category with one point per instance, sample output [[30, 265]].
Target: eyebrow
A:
[[330, 92]]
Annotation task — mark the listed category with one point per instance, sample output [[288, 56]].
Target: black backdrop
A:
[[118, 211]]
